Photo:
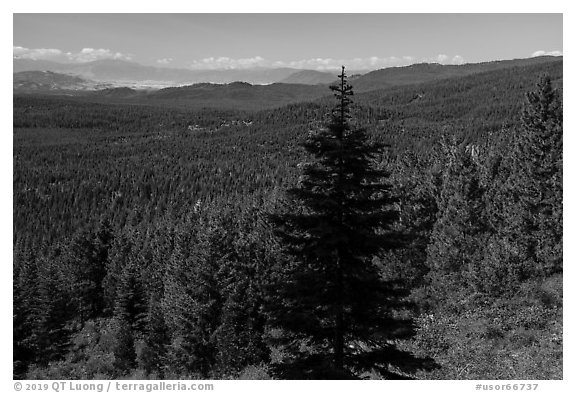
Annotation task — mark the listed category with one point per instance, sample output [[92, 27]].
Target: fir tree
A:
[[52, 314], [244, 272], [192, 302], [87, 259], [524, 200], [335, 311], [122, 251], [239, 337], [157, 339], [131, 304], [26, 302], [539, 177], [130, 316]]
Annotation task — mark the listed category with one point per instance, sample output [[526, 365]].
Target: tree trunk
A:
[[339, 328]]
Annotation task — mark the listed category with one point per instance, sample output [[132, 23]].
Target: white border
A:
[[304, 6]]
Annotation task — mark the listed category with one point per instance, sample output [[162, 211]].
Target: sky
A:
[[311, 41]]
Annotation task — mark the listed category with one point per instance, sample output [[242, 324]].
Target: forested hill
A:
[[238, 95], [427, 72], [309, 77], [142, 239], [473, 105]]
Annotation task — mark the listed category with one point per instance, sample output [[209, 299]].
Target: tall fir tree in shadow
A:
[[332, 316]]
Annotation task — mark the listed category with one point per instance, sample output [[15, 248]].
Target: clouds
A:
[[445, 59], [223, 62], [35, 54], [214, 63], [84, 56], [321, 64], [544, 53], [91, 54], [457, 60]]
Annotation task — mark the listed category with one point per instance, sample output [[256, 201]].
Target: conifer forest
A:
[[409, 231]]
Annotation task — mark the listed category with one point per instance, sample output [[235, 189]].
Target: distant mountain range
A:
[[120, 70], [298, 86], [126, 73], [42, 81]]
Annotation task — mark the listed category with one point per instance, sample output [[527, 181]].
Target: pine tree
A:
[[539, 177], [52, 314], [87, 260], [192, 301], [26, 302], [130, 315], [131, 304], [334, 310], [525, 194], [240, 334], [122, 251], [157, 339], [239, 337]]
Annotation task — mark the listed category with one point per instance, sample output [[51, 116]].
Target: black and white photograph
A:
[[287, 196]]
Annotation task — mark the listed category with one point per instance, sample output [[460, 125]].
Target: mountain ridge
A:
[[121, 70], [310, 77], [425, 72], [51, 81]]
